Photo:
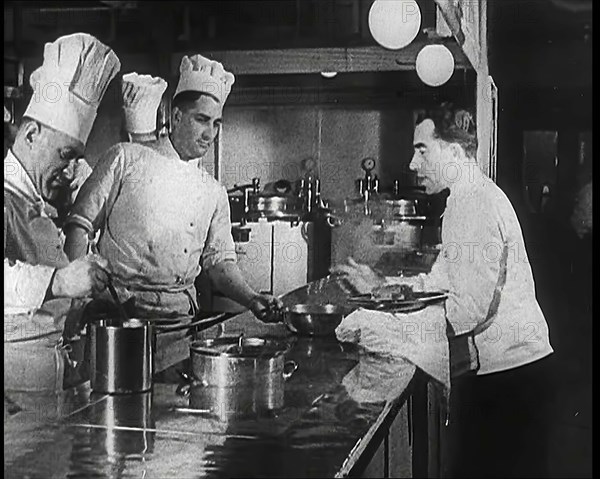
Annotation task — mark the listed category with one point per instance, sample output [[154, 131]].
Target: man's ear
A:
[[33, 131], [176, 115]]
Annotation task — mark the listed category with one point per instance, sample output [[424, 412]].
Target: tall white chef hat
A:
[[197, 73], [141, 97], [70, 84]]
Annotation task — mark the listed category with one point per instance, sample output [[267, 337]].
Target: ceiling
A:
[[529, 40]]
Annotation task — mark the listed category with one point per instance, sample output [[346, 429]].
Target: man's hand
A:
[[266, 308], [80, 278], [360, 276], [77, 172]]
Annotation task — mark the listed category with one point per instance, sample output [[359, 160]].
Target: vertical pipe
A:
[[218, 150], [319, 136]]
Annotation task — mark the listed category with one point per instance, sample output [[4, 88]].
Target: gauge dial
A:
[[367, 164]]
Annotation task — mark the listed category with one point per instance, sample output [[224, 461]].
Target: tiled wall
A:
[[271, 143]]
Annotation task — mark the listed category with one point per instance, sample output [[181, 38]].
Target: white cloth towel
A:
[[419, 337]]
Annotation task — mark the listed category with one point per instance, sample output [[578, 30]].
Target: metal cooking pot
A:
[[406, 231], [273, 205], [401, 206], [120, 356], [313, 319], [237, 376]]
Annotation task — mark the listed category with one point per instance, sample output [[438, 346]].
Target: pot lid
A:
[[240, 347]]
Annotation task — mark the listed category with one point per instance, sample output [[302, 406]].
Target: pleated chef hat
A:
[[141, 97], [70, 84], [197, 73]]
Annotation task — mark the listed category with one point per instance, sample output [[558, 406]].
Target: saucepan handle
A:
[[289, 368], [185, 387]]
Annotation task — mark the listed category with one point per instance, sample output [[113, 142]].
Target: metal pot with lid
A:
[[237, 376]]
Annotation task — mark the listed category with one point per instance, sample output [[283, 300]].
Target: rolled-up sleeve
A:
[[93, 200], [25, 285], [471, 256], [219, 242]]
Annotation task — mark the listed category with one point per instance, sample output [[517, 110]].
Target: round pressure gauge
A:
[[367, 164]]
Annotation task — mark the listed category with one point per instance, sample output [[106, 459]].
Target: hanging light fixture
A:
[[435, 65], [394, 24]]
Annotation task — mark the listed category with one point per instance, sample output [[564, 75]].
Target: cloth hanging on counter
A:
[[419, 337], [378, 378]]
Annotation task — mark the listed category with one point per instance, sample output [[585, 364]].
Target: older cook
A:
[[163, 217], [53, 132], [491, 310]]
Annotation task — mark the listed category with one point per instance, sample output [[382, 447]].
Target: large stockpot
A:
[[237, 376], [120, 356]]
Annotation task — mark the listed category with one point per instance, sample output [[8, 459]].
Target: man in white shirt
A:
[[495, 325], [68, 88], [163, 217]]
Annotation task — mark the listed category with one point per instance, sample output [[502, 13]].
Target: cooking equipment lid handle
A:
[[289, 368]]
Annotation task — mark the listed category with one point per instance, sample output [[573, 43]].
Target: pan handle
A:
[[199, 322], [289, 368], [185, 387]]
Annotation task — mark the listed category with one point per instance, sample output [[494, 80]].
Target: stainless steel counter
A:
[[322, 430]]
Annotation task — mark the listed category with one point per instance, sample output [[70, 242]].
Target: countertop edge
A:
[[391, 407]]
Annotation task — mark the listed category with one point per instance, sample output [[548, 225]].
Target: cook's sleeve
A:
[[437, 278], [25, 285], [219, 242], [471, 260], [94, 198]]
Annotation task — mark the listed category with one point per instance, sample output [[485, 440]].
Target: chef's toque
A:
[[70, 84], [197, 73], [141, 98]]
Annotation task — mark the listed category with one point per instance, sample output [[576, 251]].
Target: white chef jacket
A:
[[32, 251], [484, 266], [25, 285], [162, 221]]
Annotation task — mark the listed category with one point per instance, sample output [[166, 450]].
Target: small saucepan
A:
[[313, 319]]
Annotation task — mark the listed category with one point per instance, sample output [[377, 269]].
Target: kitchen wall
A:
[[272, 142]]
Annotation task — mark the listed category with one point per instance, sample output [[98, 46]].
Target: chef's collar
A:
[[471, 175], [17, 180]]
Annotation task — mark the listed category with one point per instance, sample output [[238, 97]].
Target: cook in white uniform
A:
[[68, 88], [491, 309], [163, 217]]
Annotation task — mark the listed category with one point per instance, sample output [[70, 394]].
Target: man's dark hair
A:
[[453, 125], [186, 98]]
